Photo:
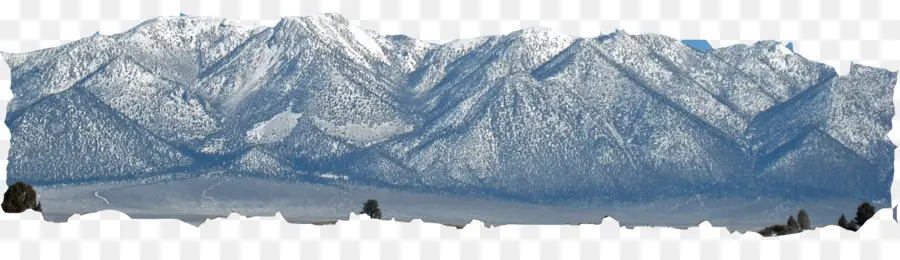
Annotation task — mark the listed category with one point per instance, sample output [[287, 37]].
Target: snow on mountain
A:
[[860, 117], [45, 72], [403, 51], [73, 137], [534, 115], [274, 129], [172, 113], [179, 47], [466, 44], [366, 41], [362, 134]]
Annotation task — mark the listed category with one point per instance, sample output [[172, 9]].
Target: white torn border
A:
[[607, 240], [493, 242]]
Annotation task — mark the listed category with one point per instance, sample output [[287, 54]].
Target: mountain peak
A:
[[324, 18], [612, 36], [766, 46], [12, 59], [465, 44], [537, 29], [179, 29], [539, 34], [332, 29], [176, 22]]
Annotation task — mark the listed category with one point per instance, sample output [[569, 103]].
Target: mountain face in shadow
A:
[[533, 115]]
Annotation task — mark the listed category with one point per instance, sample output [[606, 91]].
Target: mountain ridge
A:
[[535, 114]]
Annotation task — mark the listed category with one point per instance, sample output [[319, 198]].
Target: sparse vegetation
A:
[[842, 222], [803, 219], [864, 212], [20, 197], [792, 223], [791, 227], [853, 226], [776, 230], [371, 208]]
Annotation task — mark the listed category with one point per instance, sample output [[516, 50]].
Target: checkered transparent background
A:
[[831, 31]]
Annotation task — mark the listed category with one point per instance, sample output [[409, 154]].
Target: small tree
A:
[[803, 220], [19, 197], [371, 208], [842, 222], [853, 226], [864, 212], [792, 224], [768, 231], [775, 230]]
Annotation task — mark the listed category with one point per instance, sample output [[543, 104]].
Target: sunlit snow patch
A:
[[266, 58], [214, 146], [274, 129], [363, 39], [363, 134], [334, 176]]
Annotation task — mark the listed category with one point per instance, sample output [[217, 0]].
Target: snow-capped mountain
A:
[[533, 115]]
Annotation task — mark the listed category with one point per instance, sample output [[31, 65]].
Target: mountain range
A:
[[533, 115]]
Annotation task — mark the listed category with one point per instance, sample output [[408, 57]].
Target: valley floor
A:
[[196, 200]]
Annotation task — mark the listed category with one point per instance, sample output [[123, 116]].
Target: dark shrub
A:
[[776, 230], [842, 222], [792, 223], [19, 197], [803, 219]]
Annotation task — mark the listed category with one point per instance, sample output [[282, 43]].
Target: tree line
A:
[[864, 212]]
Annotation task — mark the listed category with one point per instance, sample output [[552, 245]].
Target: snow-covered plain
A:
[[197, 199]]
